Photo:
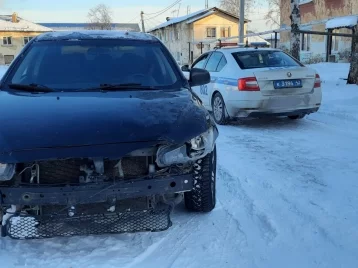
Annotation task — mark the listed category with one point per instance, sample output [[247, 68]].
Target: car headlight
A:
[[193, 150], [7, 171]]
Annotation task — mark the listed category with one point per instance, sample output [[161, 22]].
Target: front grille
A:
[[36, 227], [68, 171]]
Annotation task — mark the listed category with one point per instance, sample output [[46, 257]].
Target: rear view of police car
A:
[[257, 82]]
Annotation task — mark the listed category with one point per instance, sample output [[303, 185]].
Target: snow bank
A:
[[348, 21], [332, 72]]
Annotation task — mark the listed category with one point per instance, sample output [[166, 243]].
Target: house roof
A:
[[6, 25], [342, 22], [78, 26], [190, 18]]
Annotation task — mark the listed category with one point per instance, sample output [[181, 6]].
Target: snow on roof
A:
[[95, 34], [21, 25], [342, 22], [270, 36], [179, 19], [200, 17], [190, 18], [255, 39]]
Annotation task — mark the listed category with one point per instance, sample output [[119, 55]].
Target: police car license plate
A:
[[293, 83]]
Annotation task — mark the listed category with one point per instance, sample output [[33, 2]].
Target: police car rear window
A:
[[264, 59]]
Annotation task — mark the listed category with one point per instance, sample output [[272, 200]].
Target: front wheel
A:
[[219, 109], [203, 197]]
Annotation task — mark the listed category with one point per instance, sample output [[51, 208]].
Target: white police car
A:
[[256, 82]]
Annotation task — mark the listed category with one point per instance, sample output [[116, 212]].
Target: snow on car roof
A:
[[93, 34]]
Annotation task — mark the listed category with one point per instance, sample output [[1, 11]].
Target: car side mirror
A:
[[199, 77], [185, 68]]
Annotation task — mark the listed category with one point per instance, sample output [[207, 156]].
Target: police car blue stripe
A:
[[224, 81]]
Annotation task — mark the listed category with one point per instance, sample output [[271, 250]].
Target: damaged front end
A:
[[84, 196]]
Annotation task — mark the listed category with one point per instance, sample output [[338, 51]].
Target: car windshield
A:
[[82, 64], [264, 59]]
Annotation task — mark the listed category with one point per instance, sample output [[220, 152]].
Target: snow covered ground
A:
[[287, 197]]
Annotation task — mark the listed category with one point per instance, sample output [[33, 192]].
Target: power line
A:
[[165, 9]]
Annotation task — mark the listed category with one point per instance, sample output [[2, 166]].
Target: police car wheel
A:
[[219, 110]]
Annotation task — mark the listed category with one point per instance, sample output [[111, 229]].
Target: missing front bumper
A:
[[94, 192]]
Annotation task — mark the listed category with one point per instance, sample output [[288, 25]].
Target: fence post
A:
[[329, 45], [219, 43], [201, 48], [189, 60], [275, 39]]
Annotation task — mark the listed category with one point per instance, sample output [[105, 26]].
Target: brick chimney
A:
[[14, 18]]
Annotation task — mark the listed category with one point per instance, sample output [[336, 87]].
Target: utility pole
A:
[[242, 21], [295, 26], [206, 4], [188, 10], [142, 19]]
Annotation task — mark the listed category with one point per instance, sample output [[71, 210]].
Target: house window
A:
[[8, 58], [27, 39], [225, 32], [211, 32], [7, 41], [176, 34], [306, 42]]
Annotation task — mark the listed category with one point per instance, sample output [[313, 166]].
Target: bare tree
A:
[[273, 15], [233, 6], [100, 18], [295, 26]]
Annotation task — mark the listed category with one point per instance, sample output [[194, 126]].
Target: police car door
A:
[[213, 66], [201, 91]]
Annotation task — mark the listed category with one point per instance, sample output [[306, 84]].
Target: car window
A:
[[263, 59], [200, 63], [72, 65], [213, 62], [222, 64]]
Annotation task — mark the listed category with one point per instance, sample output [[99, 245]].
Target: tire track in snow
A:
[[262, 221]]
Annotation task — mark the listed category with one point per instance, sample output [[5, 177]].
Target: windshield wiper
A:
[[117, 87], [31, 87]]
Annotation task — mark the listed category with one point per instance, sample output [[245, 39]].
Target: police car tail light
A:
[[248, 84], [317, 82]]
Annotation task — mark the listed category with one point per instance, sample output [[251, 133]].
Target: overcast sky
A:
[[123, 10]]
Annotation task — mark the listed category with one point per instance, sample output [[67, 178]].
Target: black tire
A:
[[295, 117], [203, 197], [219, 110]]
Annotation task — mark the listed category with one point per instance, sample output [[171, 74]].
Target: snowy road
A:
[[287, 197]]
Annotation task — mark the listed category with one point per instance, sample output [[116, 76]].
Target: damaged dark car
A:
[[101, 133]]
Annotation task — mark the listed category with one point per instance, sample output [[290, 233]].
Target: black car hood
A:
[[89, 124]]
